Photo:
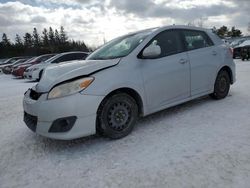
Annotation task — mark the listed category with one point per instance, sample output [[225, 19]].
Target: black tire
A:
[[221, 86], [116, 116], [40, 75]]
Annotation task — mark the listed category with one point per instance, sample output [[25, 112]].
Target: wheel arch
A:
[[129, 91], [229, 71]]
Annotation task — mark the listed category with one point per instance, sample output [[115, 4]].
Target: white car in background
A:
[[35, 72]]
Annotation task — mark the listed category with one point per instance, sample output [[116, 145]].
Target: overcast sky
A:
[[93, 20]]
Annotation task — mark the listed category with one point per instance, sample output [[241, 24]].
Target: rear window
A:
[[70, 57], [44, 58], [80, 56], [196, 39]]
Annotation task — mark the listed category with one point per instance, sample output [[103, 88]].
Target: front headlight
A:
[[70, 88]]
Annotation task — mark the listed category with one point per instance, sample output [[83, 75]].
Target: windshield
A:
[[119, 47], [10, 61]]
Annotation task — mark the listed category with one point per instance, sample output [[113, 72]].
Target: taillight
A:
[[231, 51]]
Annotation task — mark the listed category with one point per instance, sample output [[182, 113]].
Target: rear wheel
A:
[[221, 86], [117, 116]]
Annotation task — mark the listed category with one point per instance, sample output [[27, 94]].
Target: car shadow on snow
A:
[[17, 78], [29, 81], [24, 80]]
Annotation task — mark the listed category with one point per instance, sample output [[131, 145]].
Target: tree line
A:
[[224, 32], [54, 41], [34, 44]]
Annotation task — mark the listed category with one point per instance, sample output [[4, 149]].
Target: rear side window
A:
[[44, 58], [80, 56], [169, 42], [196, 39], [69, 57]]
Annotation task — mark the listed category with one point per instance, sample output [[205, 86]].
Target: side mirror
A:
[[151, 51]]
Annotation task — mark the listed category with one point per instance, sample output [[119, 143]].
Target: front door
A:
[[166, 77]]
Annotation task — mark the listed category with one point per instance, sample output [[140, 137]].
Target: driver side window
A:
[[169, 42]]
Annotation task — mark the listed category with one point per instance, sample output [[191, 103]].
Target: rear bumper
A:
[[33, 75], [18, 72]]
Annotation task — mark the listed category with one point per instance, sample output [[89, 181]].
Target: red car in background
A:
[[19, 70]]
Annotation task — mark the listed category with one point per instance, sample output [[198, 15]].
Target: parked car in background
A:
[[241, 51], [245, 53], [18, 70], [35, 71], [8, 68], [12, 60], [134, 75], [26, 62], [9, 61], [236, 52], [237, 42], [2, 61]]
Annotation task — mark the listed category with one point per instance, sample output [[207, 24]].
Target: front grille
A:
[[31, 121], [34, 95]]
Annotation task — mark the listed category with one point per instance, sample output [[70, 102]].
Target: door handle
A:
[[183, 61], [214, 53]]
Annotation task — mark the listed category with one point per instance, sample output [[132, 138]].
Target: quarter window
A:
[[196, 39]]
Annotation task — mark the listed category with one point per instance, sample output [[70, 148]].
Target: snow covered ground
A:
[[202, 143]]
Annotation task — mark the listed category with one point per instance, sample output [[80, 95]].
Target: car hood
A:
[[55, 74]]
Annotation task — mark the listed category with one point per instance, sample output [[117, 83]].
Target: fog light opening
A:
[[63, 124]]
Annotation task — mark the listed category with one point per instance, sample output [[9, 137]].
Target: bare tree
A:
[[198, 22], [201, 21], [248, 28], [191, 23]]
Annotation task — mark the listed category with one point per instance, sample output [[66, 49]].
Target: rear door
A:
[[166, 77], [204, 57]]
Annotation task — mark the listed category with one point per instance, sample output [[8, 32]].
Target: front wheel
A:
[[221, 86], [117, 116]]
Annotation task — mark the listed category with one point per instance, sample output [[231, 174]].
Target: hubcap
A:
[[119, 116], [222, 84]]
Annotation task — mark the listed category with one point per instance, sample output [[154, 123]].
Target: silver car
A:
[[131, 76], [35, 72]]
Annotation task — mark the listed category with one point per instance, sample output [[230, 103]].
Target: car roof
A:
[[245, 43], [162, 28], [182, 27], [65, 53]]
